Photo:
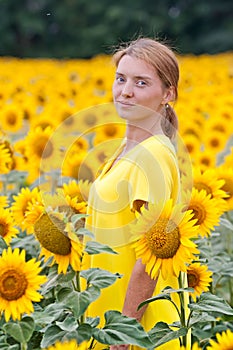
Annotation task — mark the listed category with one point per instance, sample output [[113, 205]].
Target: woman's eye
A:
[[141, 83], [120, 79]]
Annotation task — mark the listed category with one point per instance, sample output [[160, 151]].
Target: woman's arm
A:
[[140, 288]]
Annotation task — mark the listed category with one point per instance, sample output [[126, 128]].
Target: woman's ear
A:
[[169, 95]]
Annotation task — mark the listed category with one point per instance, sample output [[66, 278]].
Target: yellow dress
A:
[[148, 172]]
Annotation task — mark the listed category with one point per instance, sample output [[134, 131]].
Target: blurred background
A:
[[82, 29]]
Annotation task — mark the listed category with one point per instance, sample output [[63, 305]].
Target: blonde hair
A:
[[162, 58]]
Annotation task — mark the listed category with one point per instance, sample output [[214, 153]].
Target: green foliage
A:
[[72, 28]]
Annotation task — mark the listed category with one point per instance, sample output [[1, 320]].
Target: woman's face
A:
[[136, 86]]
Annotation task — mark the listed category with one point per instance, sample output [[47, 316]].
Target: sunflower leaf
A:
[[77, 217], [120, 329], [22, 330], [93, 247], [161, 333], [78, 302], [84, 332], [99, 278], [156, 297], [211, 303], [51, 335]]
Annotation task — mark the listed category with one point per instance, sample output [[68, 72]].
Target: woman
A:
[[144, 169]]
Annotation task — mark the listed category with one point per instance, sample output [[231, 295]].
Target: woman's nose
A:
[[127, 90]]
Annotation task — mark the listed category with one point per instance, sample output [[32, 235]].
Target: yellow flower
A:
[[5, 159], [20, 206], [58, 241], [165, 243], [3, 201], [12, 117], [79, 190], [19, 282], [208, 181], [205, 159], [226, 173], [7, 229], [68, 345], [205, 210], [35, 143], [224, 341], [199, 278], [74, 166]]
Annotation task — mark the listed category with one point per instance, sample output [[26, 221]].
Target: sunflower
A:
[[75, 167], [19, 282], [68, 345], [224, 341], [226, 173], [205, 210], [205, 159], [35, 143], [3, 201], [166, 244], [79, 190], [20, 206], [208, 181], [199, 278], [5, 159], [57, 239], [7, 229], [215, 140], [108, 131], [12, 117]]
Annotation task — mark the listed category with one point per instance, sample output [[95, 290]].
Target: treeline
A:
[[83, 28]]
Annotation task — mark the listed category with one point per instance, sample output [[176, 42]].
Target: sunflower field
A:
[[58, 125]]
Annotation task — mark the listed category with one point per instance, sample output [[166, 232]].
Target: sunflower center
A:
[[163, 238], [110, 130], [48, 151], [2, 230], [40, 145], [199, 213], [228, 188], [13, 284], [90, 119], [193, 280], [85, 172], [201, 186], [49, 231], [11, 118]]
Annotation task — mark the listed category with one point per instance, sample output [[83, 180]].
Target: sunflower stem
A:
[[182, 309], [78, 289], [23, 346]]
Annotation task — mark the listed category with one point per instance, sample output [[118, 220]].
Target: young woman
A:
[[143, 170]]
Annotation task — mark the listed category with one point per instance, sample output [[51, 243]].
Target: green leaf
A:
[[99, 278], [50, 313], [69, 324], [211, 303], [85, 231], [201, 317], [84, 332], [22, 330], [78, 302], [226, 223], [77, 217], [51, 335], [161, 333], [164, 295], [93, 321], [120, 329], [93, 247]]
